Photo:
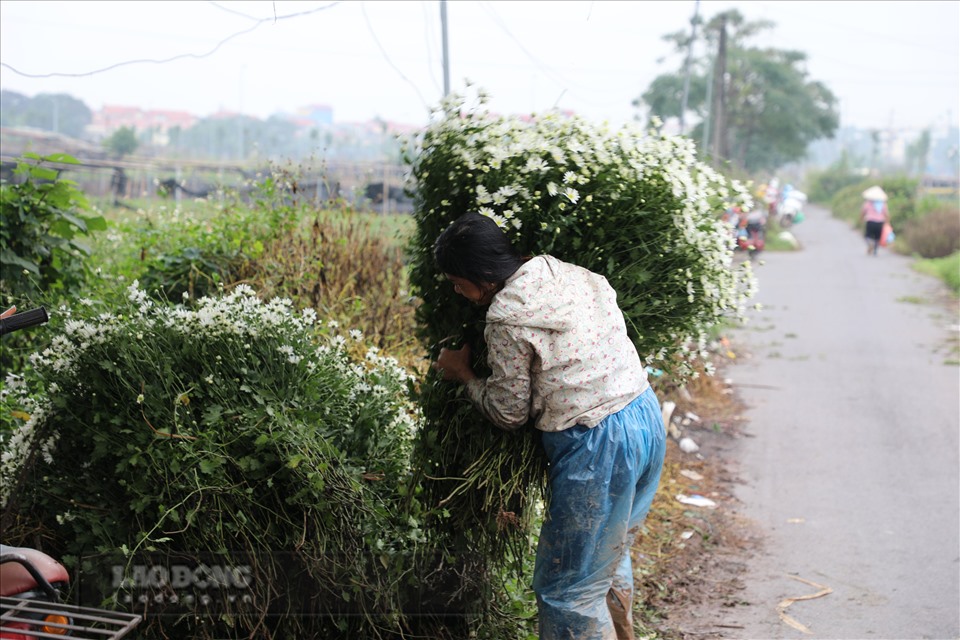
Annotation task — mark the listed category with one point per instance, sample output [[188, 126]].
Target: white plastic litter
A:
[[696, 501], [666, 411], [788, 237], [687, 445]]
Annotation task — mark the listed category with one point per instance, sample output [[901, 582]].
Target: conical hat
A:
[[874, 193]]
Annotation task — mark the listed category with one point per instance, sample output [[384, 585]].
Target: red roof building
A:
[[111, 117]]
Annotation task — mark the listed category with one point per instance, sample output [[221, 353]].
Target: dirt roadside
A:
[[696, 555]]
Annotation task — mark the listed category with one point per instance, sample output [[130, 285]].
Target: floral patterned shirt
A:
[[558, 350]]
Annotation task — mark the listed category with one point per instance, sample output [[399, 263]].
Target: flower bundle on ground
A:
[[635, 206], [237, 430]]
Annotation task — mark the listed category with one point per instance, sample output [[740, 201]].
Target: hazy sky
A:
[[891, 64]]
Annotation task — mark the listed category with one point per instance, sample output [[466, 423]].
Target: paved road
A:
[[850, 468]]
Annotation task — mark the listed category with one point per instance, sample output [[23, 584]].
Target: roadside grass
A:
[[781, 239], [776, 242], [947, 269]]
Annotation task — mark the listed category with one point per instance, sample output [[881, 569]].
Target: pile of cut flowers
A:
[[228, 432]]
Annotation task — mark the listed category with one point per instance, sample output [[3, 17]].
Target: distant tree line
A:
[[56, 112]]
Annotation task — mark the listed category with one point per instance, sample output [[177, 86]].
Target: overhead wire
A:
[[386, 56], [546, 71], [259, 22], [240, 13], [887, 37]]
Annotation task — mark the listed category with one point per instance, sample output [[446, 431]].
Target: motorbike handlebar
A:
[[23, 320]]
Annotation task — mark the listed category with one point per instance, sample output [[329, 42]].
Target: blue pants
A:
[[602, 483]]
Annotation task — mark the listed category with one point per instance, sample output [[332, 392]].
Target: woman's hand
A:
[[9, 312], [454, 364]]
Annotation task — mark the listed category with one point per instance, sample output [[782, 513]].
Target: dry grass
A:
[[935, 235], [349, 270]]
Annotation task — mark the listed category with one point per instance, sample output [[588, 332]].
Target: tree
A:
[[770, 109], [12, 104], [665, 95], [874, 149], [122, 142], [58, 112], [918, 152]]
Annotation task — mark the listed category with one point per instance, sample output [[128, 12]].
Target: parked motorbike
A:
[[752, 239], [33, 584], [790, 209], [32, 587], [23, 320]]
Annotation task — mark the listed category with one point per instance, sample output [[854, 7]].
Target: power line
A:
[[240, 13], [245, 15], [805, 16], [260, 22], [537, 63], [886, 71], [386, 56], [543, 68]]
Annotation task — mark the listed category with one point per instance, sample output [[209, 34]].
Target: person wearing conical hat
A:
[[874, 214]]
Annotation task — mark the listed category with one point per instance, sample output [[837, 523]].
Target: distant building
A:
[[315, 114], [315, 133], [397, 128], [157, 123], [224, 114]]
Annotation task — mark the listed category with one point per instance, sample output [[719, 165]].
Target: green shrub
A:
[[188, 273], [43, 220], [946, 268], [928, 203], [240, 430], [822, 186], [901, 200], [178, 253], [935, 235]]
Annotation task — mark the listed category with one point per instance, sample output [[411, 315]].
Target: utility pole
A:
[[686, 65], [240, 141], [446, 48], [718, 107], [705, 134]]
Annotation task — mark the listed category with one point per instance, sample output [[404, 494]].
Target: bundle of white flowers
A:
[[635, 206]]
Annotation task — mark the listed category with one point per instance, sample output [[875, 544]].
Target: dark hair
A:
[[475, 248]]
